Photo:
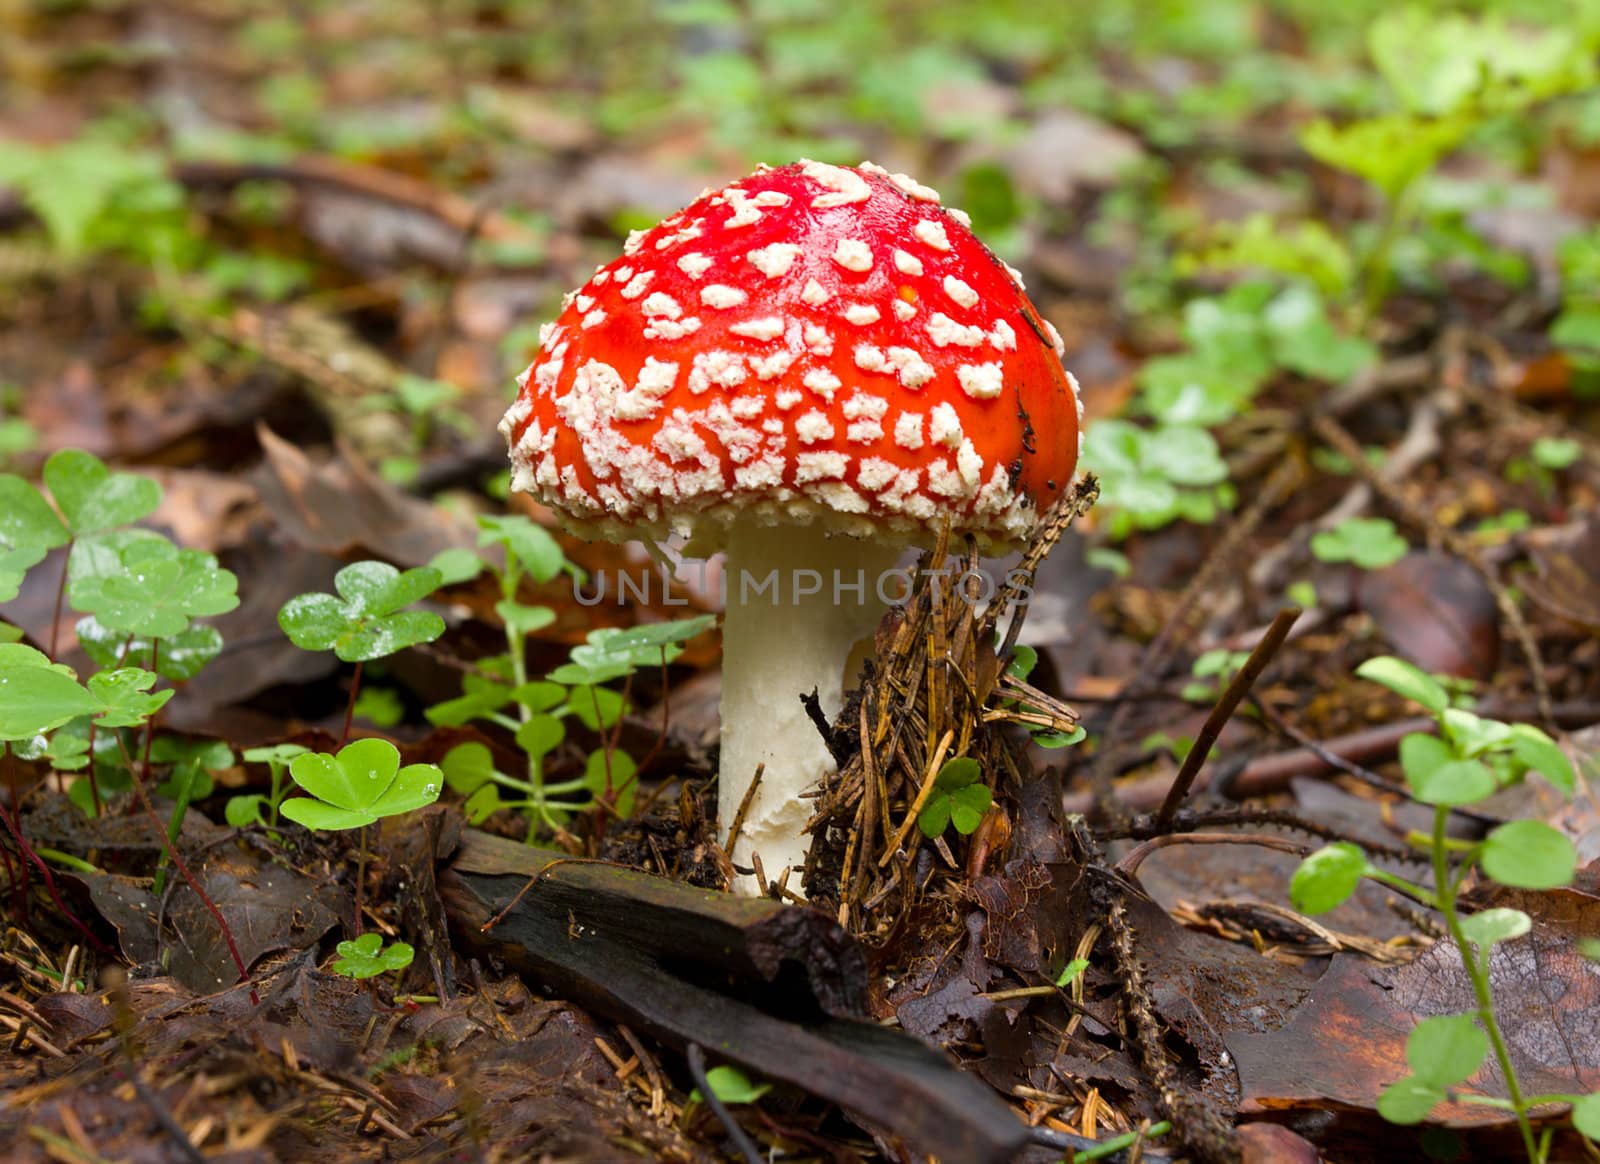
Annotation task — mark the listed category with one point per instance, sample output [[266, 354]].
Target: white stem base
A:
[[779, 642]]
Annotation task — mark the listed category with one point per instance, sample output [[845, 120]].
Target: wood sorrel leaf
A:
[[365, 621], [358, 786], [93, 498], [37, 695]]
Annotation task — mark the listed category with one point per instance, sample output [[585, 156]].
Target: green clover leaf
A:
[[92, 498], [125, 696], [147, 586], [359, 786], [1370, 543], [29, 529], [958, 798], [366, 621], [368, 957], [37, 695], [180, 658]]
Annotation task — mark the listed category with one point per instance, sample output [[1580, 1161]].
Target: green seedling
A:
[[380, 706], [959, 798], [367, 620], [241, 811], [1577, 329], [1213, 669], [1237, 342], [540, 707], [189, 780], [574, 690], [1071, 972], [359, 786], [1150, 477], [731, 1085], [1450, 75], [1547, 457], [368, 957], [1470, 759], [1371, 543]]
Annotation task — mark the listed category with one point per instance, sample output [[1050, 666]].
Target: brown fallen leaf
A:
[[1347, 1042], [1437, 613], [343, 506]]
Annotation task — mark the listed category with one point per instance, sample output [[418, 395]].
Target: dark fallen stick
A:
[[1237, 688], [778, 989]]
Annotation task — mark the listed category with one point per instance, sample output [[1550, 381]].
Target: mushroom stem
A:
[[797, 603]]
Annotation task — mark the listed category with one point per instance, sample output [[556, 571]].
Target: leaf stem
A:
[[1478, 973], [350, 707]]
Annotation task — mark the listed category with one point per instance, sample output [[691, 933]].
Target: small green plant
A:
[[1451, 75], [241, 811], [731, 1085], [576, 690], [428, 403], [1470, 759], [1211, 670], [1372, 543], [1237, 342], [1023, 660], [539, 708], [368, 957], [1577, 329], [1546, 458], [959, 797], [367, 620], [1070, 972], [1151, 477], [359, 786]]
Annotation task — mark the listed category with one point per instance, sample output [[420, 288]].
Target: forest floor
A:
[[1331, 285]]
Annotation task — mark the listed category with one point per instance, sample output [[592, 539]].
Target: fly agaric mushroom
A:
[[810, 368]]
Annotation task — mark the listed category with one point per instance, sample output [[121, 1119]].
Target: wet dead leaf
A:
[[1347, 1043], [1437, 612]]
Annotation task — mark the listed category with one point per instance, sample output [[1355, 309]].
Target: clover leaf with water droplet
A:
[[147, 586], [180, 657], [36, 695], [125, 696], [359, 786], [92, 498], [366, 621], [29, 529]]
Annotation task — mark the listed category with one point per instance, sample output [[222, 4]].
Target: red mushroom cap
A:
[[810, 343]]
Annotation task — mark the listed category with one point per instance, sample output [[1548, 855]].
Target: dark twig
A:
[[1238, 686], [1159, 652], [1129, 865], [741, 1139]]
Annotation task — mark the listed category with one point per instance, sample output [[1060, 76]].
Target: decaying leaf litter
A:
[[277, 424]]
